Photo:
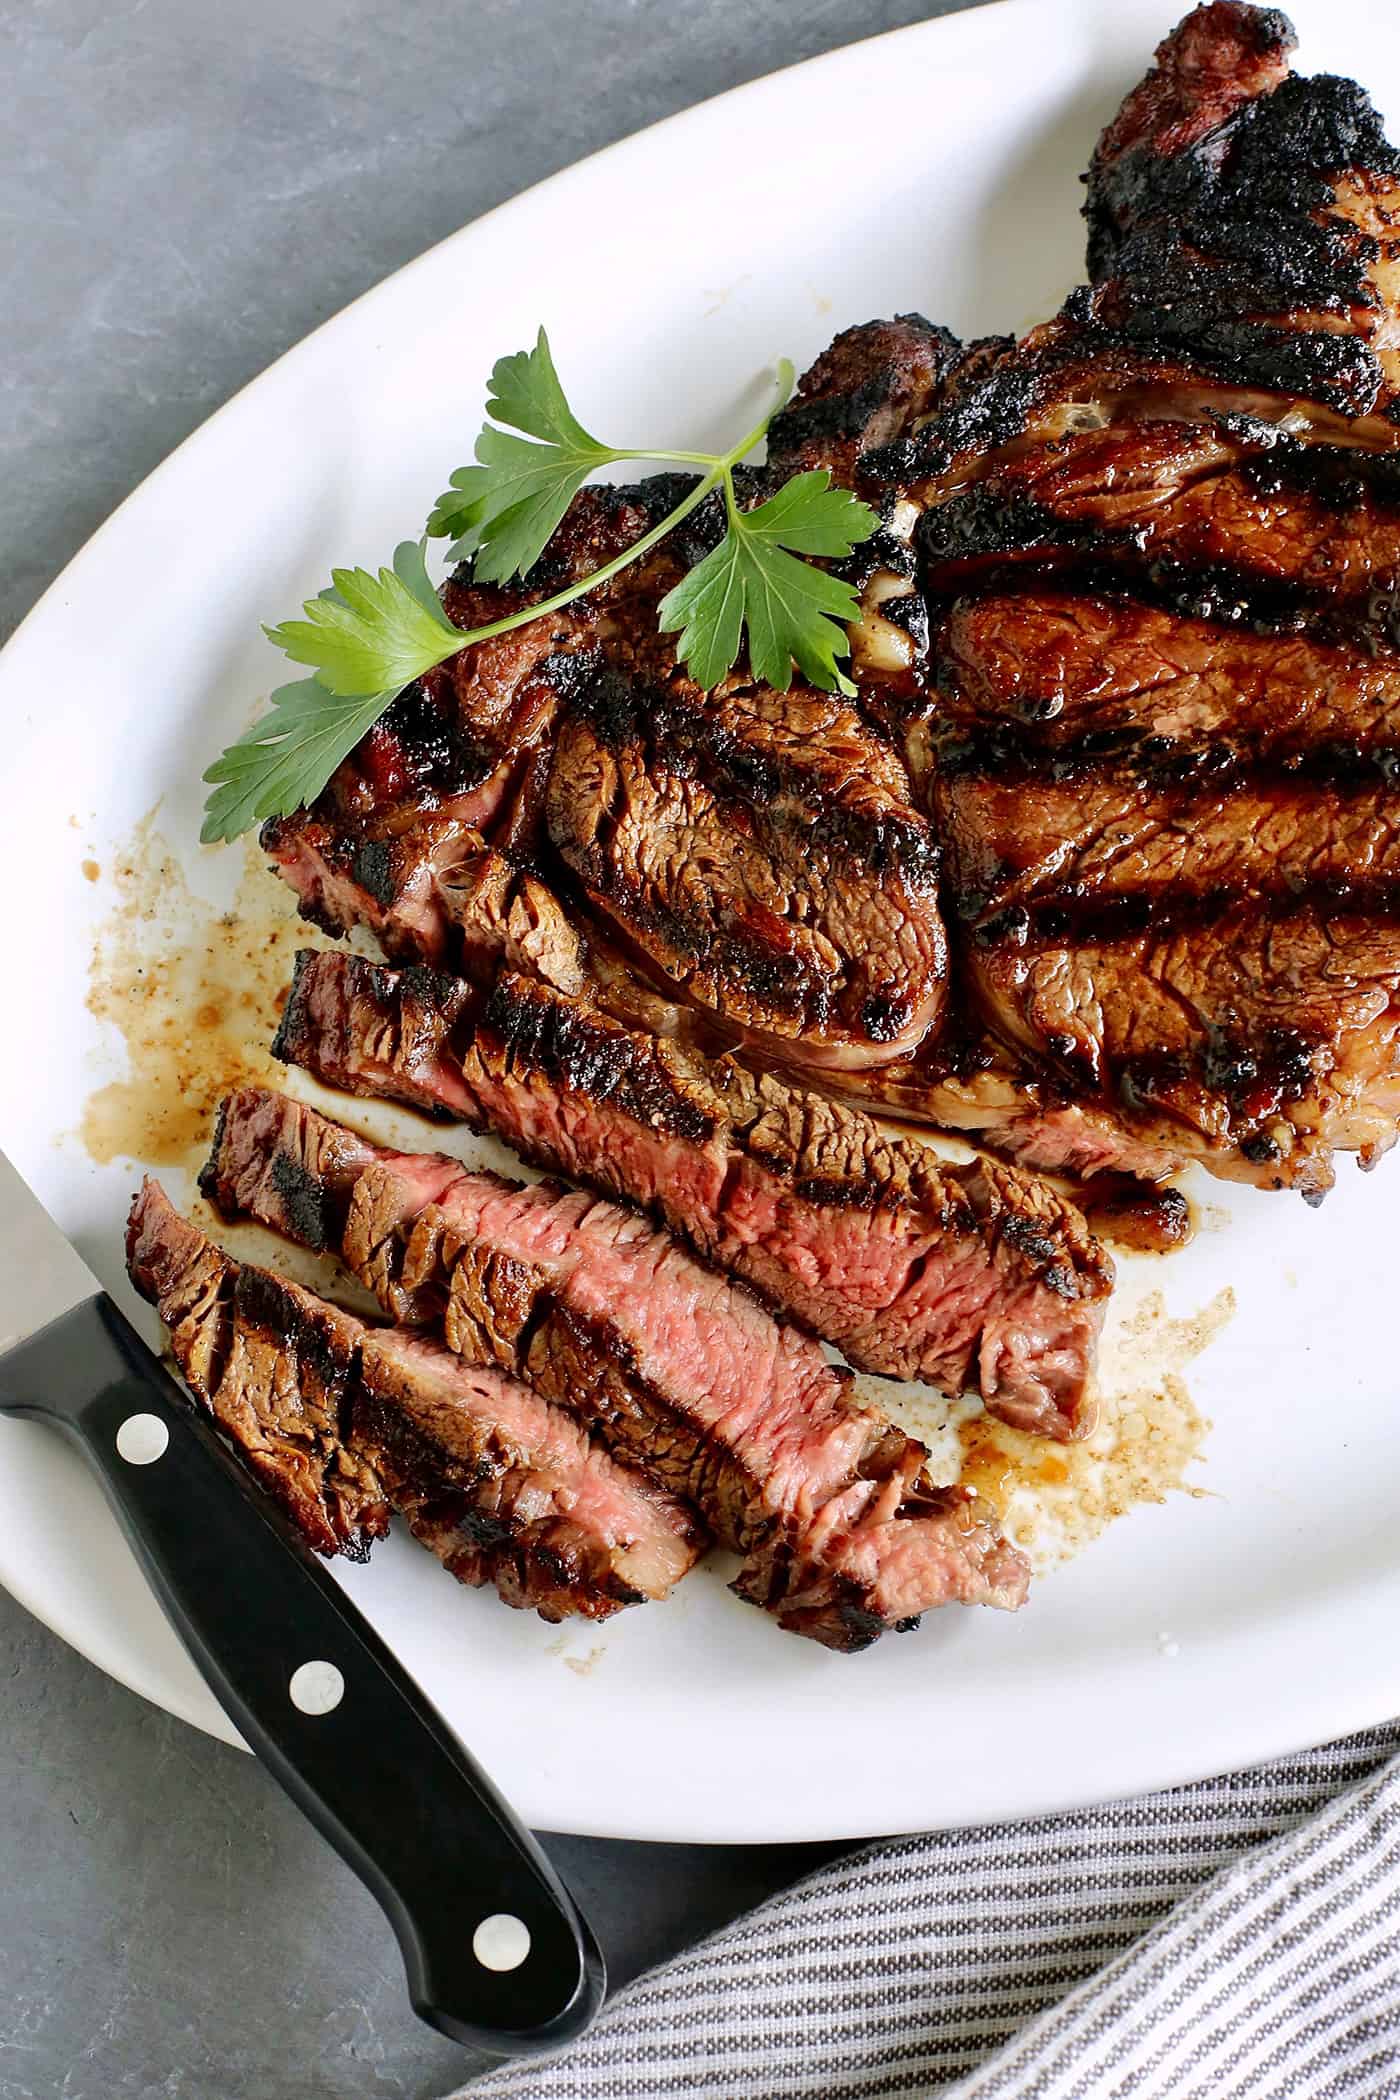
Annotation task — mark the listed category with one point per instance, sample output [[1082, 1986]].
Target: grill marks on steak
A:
[[1161, 541], [1173, 855], [677, 1368], [564, 800], [1125, 848], [340, 1421], [273, 1365], [762, 855], [1057, 680], [1268, 1036], [967, 1276], [1250, 525], [1174, 861]]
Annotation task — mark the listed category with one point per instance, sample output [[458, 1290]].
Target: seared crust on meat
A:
[[676, 1368], [1250, 215], [273, 1365], [872, 384], [977, 1275], [340, 1421]]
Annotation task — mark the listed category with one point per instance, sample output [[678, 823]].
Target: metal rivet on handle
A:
[[142, 1439], [316, 1688], [501, 1941]]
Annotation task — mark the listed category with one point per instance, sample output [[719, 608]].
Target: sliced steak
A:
[[678, 1368], [1160, 538], [507, 1490], [974, 1275], [274, 1366], [340, 1421], [1069, 678], [1253, 525], [760, 851], [453, 767], [1071, 377]]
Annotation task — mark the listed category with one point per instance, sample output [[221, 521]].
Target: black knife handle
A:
[[379, 1772]]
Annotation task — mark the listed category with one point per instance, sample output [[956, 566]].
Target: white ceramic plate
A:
[[933, 168]]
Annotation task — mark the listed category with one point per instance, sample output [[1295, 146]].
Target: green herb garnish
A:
[[370, 635]]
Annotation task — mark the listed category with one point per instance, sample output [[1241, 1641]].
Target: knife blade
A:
[[495, 1951]]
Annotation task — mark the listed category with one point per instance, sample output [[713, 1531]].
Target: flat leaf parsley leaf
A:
[[506, 509], [302, 738], [795, 614], [370, 634]]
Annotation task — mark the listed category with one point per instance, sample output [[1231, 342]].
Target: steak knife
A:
[[496, 1953]]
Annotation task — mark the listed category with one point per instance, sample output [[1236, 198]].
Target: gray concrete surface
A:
[[186, 187]]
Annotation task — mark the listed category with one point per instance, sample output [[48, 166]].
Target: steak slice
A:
[[760, 851], [509, 1491], [678, 1368], [1271, 1032], [1135, 839], [1253, 524], [274, 1366], [966, 1276], [340, 1421], [1067, 679]]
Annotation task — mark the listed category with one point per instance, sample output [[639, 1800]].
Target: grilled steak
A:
[[1134, 594], [757, 856], [509, 1491], [1159, 544], [677, 1368], [340, 1421], [273, 1365], [1249, 215], [967, 1276]]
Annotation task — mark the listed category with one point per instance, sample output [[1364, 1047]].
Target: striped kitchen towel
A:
[[1237, 1937]]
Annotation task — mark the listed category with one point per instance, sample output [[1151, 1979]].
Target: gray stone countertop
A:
[[187, 188]]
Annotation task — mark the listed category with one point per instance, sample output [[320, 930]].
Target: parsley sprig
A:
[[369, 635]]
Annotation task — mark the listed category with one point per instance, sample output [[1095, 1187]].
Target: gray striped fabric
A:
[[1237, 1937]]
